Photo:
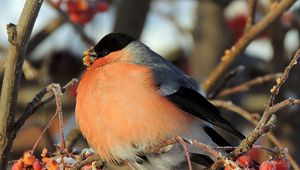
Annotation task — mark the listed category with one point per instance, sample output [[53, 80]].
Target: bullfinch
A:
[[131, 99]]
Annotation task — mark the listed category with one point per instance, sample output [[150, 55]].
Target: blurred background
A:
[[192, 34]]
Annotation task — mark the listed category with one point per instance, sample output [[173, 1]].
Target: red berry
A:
[[230, 166], [81, 18], [281, 164], [37, 165], [102, 7], [267, 165], [17, 165], [80, 12], [245, 161], [28, 158]]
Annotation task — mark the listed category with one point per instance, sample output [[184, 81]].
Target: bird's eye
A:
[[104, 53]]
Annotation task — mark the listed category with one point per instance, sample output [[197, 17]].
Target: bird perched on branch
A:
[[131, 99]]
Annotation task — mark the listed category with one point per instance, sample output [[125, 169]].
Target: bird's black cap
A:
[[112, 42]]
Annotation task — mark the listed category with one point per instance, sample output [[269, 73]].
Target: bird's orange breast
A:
[[120, 111]]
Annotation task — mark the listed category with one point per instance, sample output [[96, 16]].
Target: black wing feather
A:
[[216, 137], [197, 105], [201, 159]]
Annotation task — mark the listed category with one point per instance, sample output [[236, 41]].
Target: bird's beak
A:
[[89, 56]]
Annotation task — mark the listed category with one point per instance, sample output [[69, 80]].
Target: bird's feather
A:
[[194, 103], [168, 77], [215, 136], [179, 88], [201, 159]]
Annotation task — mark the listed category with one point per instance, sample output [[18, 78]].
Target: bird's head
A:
[[110, 43]]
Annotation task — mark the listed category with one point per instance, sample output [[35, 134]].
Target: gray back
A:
[[167, 76]]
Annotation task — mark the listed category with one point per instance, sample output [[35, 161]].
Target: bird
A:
[[130, 99]]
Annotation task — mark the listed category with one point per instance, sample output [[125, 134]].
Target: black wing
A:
[[201, 159], [197, 105]]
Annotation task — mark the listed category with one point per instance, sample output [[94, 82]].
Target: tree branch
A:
[[88, 160], [36, 104], [228, 78], [280, 81], [18, 37], [231, 54], [247, 85], [265, 124], [251, 14], [228, 105], [268, 118]]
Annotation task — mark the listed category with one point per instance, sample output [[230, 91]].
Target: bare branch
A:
[[58, 93], [280, 81], [231, 54], [268, 118], [183, 144], [229, 77], [251, 14], [228, 105], [265, 124], [36, 104], [247, 85], [43, 132], [18, 38], [12, 33], [55, 88], [88, 160]]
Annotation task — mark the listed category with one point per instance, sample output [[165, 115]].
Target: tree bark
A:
[[211, 38], [131, 17], [18, 36]]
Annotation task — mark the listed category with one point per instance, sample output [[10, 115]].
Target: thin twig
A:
[[221, 160], [251, 14], [265, 124], [208, 149], [231, 54], [158, 149], [43, 132], [280, 81], [88, 160], [36, 104], [268, 117], [228, 105], [277, 143], [247, 85], [183, 144], [204, 147], [58, 93], [229, 77], [55, 88]]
